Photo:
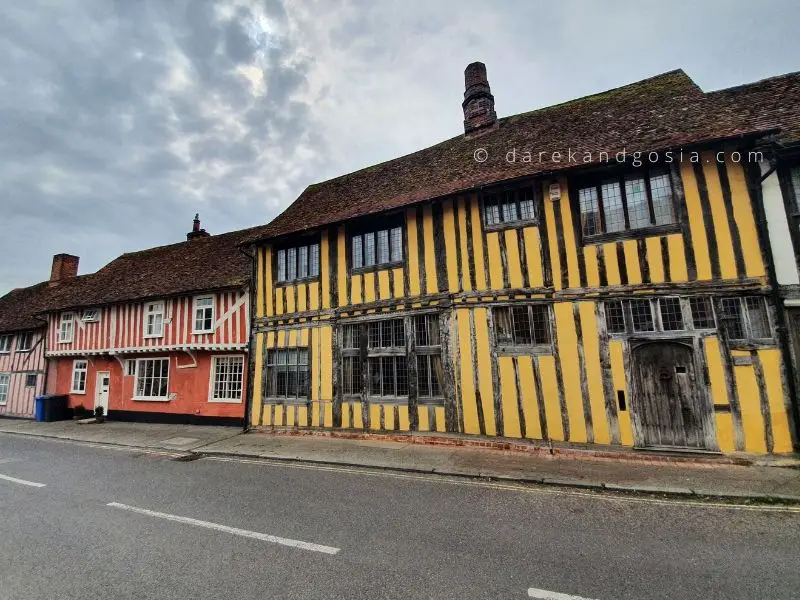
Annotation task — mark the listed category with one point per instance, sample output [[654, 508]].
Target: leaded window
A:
[[526, 325], [509, 206], [744, 318], [301, 262], [381, 247]]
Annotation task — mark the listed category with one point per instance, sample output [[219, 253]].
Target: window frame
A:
[[130, 362], [746, 324], [196, 308], [597, 182], [513, 348], [67, 319], [373, 226], [28, 379], [76, 370], [6, 340], [493, 196], [90, 319], [270, 371], [5, 388], [148, 313], [139, 363], [22, 337], [791, 201], [216, 359], [281, 253]]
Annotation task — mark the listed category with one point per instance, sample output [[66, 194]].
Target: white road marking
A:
[[233, 530], [547, 595], [22, 481]]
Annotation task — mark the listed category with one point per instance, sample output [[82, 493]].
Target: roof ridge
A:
[[742, 86]]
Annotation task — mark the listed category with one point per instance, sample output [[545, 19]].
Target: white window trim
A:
[[147, 314], [95, 319], [7, 376], [66, 317], [213, 314], [211, 379], [72, 389], [166, 398], [10, 338], [22, 336], [129, 361]]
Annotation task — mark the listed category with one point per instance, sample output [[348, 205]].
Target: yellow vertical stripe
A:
[[620, 384], [388, 417], [260, 289], [279, 300], [573, 273], [677, 258], [369, 287], [313, 295], [341, 266], [655, 261], [374, 416], [315, 357], [725, 436], [716, 372], [302, 416], [292, 338], [448, 223], [271, 339], [469, 406], [594, 372], [301, 297], [290, 304], [355, 289], [484, 369], [530, 403], [345, 415], [778, 413], [508, 397], [463, 207], [495, 261], [750, 405], [552, 239], [727, 260], [512, 257], [422, 412], [612, 264], [431, 283], [745, 222], [268, 281], [325, 273], [383, 285], [439, 413], [315, 414], [328, 414], [632, 261], [290, 414], [533, 256], [399, 292], [568, 356], [552, 407], [326, 364], [402, 414], [258, 373], [268, 415], [592, 267], [303, 341], [281, 334], [477, 245], [696, 222], [358, 419], [279, 422], [413, 252]]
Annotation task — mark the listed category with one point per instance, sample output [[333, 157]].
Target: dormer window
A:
[[300, 262], [509, 207], [90, 315], [153, 319], [66, 327]]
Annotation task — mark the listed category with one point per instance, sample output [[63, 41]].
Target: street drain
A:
[[187, 457]]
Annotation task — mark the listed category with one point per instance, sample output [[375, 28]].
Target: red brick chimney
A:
[[64, 266], [196, 232], [478, 105]]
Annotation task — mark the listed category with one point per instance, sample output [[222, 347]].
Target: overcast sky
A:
[[119, 119]]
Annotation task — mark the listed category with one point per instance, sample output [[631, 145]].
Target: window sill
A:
[[629, 234], [139, 399], [380, 267], [203, 332], [521, 224], [153, 337], [20, 350], [297, 281], [224, 401], [83, 393], [524, 349], [64, 341], [287, 401], [387, 399], [5, 351]]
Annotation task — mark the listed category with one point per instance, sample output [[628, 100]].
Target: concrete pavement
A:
[[120, 522], [706, 478]]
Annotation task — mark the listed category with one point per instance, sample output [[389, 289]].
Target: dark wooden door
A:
[[666, 407]]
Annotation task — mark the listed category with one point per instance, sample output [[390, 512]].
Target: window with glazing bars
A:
[[288, 374], [428, 347], [625, 203], [743, 318], [642, 315], [509, 206], [671, 315], [615, 316], [702, 312], [301, 262], [522, 325], [381, 247], [387, 368], [351, 360]]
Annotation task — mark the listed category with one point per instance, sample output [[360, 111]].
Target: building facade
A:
[[463, 289]]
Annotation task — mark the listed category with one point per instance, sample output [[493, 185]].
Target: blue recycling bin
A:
[[38, 408]]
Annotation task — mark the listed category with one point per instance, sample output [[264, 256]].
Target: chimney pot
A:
[[478, 105], [64, 266], [196, 232]]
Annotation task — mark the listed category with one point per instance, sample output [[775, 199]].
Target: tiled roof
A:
[[666, 111], [765, 104], [19, 307]]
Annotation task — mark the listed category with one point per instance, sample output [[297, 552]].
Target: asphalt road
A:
[[116, 523]]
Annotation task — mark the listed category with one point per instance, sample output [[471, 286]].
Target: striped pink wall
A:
[[121, 327], [19, 402]]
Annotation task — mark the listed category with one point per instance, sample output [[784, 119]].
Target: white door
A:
[[101, 391]]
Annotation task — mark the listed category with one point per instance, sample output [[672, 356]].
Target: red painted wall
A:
[[190, 385]]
